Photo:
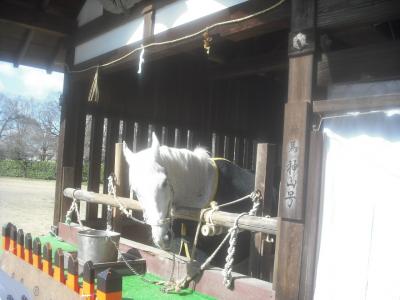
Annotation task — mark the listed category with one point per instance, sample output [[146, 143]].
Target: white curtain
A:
[[359, 245]]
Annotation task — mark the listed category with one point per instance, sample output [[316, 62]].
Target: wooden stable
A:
[[269, 79]]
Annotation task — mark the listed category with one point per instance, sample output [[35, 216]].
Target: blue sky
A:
[[29, 82]]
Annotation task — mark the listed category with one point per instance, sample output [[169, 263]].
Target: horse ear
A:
[[127, 153]]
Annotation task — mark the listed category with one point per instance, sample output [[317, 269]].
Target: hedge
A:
[[36, 169]]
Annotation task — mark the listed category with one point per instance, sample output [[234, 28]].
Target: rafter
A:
[[36, 19], [24, 47]]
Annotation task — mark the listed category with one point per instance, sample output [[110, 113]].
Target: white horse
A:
[[164, 177]]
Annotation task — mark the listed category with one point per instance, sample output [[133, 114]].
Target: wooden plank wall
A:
[[227, 117]]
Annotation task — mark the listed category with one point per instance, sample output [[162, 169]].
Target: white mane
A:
[[190, 173]]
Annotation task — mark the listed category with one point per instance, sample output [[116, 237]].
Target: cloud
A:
[[7, 69], [29, 82], [39, 84], [2, 86]]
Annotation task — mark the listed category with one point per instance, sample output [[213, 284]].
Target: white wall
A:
[[359, 232], [170, 16], [185, 11], [124, 35]]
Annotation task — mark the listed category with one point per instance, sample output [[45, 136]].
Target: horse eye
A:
[[164, 184]]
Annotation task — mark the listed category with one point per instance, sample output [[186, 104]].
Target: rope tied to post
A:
[[73, 208]]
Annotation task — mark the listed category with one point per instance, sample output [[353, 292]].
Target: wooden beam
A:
[[363, 104], [276, 19], [53, 57], [372, 62], [35, 19], [24, 47], [221, 218], [268, 22], [333, 15], [250, 66]]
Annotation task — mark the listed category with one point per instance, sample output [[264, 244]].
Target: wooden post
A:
[[37, 254], [109, 156], [295, 150], [164, 136], [262, 252], [96, 143], [111, 139], [87, 291], [177, 138], [236, 151], [227, 148], [67, 181], [5, 232], [20, 243], [58, 273], [122, 183], [47, 259], [73, 274], [13, 239], [71, 138], [314, 184], [109, 285], [215, 145], [28, 248]]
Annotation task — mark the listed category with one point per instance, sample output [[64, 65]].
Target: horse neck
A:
[[190, 174]]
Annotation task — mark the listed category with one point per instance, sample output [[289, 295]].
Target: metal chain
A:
[[232, 235], [112, 191]]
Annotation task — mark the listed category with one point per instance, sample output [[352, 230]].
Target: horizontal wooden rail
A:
[[361, 104], [220, 218]]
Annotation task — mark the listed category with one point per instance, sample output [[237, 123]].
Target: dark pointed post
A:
[[47, 259], [37, 254], [73, 274], [109, 285], [20, 243], [13, 239], [28, 248], [5, 232], [58, 269], [88, 281]]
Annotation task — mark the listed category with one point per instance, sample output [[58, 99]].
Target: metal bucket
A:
[[99, 246]]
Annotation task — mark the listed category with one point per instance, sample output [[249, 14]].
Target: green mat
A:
[[133, 287], [56, 243]]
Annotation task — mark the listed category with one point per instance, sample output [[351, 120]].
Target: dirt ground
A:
[[28, 203]]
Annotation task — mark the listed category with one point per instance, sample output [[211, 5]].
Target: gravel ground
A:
[[28, 203]]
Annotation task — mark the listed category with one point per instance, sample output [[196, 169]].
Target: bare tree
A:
[[11, 110], [29, 130]]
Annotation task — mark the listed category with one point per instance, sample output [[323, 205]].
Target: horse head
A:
[[148, 180]]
